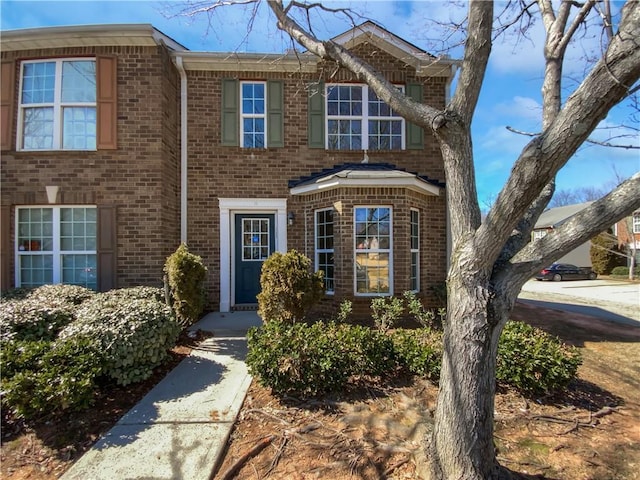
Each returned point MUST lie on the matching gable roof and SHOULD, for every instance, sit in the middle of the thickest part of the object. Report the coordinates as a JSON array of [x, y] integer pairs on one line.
[[370, 32], [364, 175], [554, 217]]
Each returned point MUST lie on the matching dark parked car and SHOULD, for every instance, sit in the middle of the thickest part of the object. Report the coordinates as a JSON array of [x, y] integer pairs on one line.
[[565, 271]]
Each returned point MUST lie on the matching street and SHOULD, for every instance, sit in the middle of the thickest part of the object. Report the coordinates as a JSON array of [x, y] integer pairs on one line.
[[617, 301]]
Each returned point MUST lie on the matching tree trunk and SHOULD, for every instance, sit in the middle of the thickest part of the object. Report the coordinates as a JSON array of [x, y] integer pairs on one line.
[[461, 445]]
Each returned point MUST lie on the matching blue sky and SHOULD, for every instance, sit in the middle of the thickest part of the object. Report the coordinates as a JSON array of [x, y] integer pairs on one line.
[[510, 95]]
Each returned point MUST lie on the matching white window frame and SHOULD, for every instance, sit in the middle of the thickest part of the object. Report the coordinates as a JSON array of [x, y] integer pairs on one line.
[[56, 251], [243, 115], [415, 251], [319, 251], [57, 105], [378, 250], [538, 234], [363, 118], [636, 222]]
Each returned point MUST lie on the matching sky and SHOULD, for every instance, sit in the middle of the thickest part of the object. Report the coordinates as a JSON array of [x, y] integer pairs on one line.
[[510, 95]]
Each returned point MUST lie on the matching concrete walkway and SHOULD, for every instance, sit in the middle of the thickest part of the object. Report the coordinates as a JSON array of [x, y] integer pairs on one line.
[[180, 428]]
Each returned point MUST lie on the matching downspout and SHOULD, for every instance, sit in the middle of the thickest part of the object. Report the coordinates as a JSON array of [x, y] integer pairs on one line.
[[183, 149]]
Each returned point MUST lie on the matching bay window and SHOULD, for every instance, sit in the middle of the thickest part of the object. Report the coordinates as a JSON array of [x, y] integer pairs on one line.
[[324, 247], [373, 243]]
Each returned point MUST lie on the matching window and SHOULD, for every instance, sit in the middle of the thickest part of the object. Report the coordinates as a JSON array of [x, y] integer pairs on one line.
[[324, 247], [56, 245], [537, 234], [636, 223], [253, 121], [358, 120], [373, 251], [58, 105], [255, 239], [414, 279]]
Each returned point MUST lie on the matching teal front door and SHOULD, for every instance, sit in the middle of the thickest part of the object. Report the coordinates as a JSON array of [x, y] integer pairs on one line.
[[254, 242]]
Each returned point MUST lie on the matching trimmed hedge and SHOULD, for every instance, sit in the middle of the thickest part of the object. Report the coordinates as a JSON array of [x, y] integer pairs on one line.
[[33, 319], [185, 274], [133, 334], [624, 271], [534, 362], [310, 360]]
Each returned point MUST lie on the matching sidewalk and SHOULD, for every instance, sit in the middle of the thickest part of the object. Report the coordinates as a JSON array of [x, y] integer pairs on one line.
[[180, 428]]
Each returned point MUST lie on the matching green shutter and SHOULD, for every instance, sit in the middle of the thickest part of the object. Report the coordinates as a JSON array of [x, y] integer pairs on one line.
[[415, 134], [316, 115], [275, 113], [230, 100]]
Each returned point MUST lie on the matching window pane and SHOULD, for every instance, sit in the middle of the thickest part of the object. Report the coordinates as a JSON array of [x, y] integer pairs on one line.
[[79, 270], [79, 81], [37, 128], [372, 273], [38, 82], [79, 128], [255, 239], [35, 230], [35, 270]]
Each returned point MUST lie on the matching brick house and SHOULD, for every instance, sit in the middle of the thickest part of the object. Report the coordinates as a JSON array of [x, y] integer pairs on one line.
[[118, 143], [627, 232]]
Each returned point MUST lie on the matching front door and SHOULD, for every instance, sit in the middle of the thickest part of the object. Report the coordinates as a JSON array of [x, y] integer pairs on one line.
[[254, 242]]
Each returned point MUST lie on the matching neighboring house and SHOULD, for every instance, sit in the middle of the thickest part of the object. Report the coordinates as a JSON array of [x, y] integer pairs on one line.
[[118, 143], [555, 217], [627, 231]]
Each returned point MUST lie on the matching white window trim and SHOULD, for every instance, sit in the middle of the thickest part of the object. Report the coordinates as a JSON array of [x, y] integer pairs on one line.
[[377, 250], [415, 250], [57, 105], [318, 251], [56, 252], [253, 115], [364, 118], [635, 220]]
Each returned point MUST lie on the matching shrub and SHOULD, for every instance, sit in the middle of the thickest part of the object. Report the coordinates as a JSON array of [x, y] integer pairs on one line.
[[426, 318], [419, 351], [61, 294], [289, 289], [17, 356], [309, 360], [52, 380], [624, 271], [345, 310], [133, 334], [185, 274], [33, 319], [386, 311], [602, 253], [533, 361]]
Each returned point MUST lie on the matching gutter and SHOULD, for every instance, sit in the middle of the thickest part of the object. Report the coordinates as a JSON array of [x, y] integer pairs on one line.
[[183, 149]]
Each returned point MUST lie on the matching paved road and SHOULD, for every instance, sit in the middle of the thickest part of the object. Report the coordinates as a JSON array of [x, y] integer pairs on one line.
[[611, 300]]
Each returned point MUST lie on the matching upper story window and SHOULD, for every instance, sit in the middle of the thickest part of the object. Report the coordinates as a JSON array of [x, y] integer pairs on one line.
[[324, 247], [253, 122], [636, 223], [358, 120], [58, 105], [373, 237]]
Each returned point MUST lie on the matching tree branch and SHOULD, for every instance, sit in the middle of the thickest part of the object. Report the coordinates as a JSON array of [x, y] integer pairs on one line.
[[418, 113], [545, 155], [583, 226], [474, 63], [588, 140]]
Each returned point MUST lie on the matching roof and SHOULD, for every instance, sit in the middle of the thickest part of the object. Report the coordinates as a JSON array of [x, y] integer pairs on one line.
[[363, 175], [554, 217], [147, 35], [139, 34]]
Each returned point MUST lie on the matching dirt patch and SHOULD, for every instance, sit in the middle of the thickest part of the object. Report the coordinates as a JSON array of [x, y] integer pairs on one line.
[[591, 432]]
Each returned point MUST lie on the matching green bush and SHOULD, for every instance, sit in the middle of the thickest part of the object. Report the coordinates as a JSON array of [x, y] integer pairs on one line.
[[419, 351], [533, 361], [289, 288], [134, 334], [603, 253], [61, 294], [17, 356], [33, 319], [624, 271], [52, 378], [386, 311], [426, 318], [309, 360], [185, 274]]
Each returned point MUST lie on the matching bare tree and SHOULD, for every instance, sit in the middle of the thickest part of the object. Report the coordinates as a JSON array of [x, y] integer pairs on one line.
[[491, 259]]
